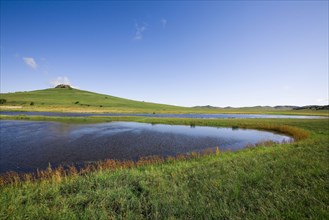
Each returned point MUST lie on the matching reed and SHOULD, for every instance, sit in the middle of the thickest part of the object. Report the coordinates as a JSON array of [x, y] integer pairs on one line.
[[59, 173]]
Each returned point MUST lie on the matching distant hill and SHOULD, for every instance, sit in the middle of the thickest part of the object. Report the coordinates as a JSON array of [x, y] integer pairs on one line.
[[285, 107], [206, 106], [229, 107], [312, 107], [278, 107]]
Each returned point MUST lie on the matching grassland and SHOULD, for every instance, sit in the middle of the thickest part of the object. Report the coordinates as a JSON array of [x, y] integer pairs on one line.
[[74, 100], [288, 181]]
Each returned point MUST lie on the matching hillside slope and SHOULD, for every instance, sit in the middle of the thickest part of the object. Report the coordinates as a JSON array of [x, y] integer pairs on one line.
[[67, 99], [74, 100]]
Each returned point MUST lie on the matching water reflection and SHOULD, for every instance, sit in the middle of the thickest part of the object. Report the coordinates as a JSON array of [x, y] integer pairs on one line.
[[28, 145], [210, 116], [61, 129]]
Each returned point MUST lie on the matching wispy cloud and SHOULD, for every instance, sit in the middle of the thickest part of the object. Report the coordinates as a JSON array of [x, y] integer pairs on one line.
[[139, 30], [163, 22], [30, 62], [61, 80]]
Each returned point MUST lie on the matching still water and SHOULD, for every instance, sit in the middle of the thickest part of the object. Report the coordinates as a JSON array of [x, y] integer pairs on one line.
[[210, 116], [28, 145]]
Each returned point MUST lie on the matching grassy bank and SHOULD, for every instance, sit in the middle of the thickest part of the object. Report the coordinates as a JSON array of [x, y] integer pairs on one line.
[[281, 181]]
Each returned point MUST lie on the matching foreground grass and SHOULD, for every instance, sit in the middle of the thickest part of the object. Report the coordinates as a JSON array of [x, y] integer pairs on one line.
[[281, 181]]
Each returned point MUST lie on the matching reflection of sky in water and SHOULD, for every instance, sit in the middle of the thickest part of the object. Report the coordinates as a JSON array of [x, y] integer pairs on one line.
[[163, 115], [112, 128], [27, 145]]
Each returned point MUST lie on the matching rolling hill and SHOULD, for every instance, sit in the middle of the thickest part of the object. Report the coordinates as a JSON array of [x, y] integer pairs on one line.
[[69, 99], [66, 99]]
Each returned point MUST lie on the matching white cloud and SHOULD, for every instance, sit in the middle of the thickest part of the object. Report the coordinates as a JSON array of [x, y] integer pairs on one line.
[[30, 62], [139, 31], [62, 80], [163, 22]]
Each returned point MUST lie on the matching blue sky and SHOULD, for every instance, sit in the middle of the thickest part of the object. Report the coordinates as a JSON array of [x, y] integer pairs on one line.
[[240, 53]]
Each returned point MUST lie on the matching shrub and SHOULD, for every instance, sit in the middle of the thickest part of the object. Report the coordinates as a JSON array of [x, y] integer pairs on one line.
[[3, 101], [77, 102], [234, 127], [32, 103]]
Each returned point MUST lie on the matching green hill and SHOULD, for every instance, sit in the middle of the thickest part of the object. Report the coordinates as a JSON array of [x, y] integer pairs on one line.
[[68, 99]]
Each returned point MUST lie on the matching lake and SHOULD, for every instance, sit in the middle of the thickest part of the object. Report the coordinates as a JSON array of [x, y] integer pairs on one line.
[[209, 116], [29, 145]]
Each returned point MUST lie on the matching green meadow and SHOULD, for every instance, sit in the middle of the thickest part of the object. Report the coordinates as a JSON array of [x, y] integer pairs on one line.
[[269, 181], [74, 100]]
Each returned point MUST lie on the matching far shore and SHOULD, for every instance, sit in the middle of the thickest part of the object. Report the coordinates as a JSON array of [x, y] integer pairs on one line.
[[109, 110], [11, 107]]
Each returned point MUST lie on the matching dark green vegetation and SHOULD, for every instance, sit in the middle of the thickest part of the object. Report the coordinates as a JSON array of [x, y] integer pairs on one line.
[[313, 107], [278, 107], [67, 99], [267, 182], [3, 101]]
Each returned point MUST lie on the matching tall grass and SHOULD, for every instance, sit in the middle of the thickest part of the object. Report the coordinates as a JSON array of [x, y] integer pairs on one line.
[[59, 173]]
